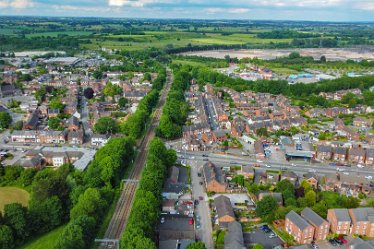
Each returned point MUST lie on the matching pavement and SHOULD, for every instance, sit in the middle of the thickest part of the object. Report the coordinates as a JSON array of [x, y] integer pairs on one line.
[[202, 209], [260, 237]]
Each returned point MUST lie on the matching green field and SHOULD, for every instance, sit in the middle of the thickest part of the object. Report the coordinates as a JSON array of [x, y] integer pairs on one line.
[[11, 195], [46, 241], [55, 34]]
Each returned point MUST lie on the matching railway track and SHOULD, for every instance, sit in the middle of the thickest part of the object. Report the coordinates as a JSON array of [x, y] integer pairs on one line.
[[121, 214]]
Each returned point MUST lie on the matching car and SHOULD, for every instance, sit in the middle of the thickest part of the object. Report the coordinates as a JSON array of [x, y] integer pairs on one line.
[[205, 159], [199, 174], [201, 183], [259, 161], [190, 221], [345, 173], [201, 198], [340, 169], [196, 202], [162, 220], [205, 155], [338, 241], [267, 166], [198, 225], [342, 240], [284, 168], [272, 236], [315, 246], [312, 171], [233, 162], [192, 157], [360, 166], [369, 177], [333, 242], [292, 164]]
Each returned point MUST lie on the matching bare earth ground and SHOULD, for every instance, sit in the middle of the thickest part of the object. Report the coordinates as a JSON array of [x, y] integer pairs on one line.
[[11, 195], [267, 54]]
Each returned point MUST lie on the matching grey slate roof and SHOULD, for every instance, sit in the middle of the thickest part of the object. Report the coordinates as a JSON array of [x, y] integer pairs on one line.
[[223, 206], [297, 220], [211, 172], [324, 148], [362, 214], [312, 217], [234, 237], [342, 214]]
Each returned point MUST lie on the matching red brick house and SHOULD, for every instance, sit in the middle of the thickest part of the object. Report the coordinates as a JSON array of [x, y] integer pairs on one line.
[[340, 220], [259, 150], [224, 210], [215, 180], [340, 154], [362, 221], [321, 226], [324, 152], [356, 155], [369, 160], [299, 228]]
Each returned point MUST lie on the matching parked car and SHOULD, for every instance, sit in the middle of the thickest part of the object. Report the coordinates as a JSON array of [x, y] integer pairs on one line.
[[196, 202], [162, 220], [201, 198], [199, 174], [190, 221], [342, 240], [272, 236], [360, 166], [205, 159], [205, 155], [333, 242], [201, 183]]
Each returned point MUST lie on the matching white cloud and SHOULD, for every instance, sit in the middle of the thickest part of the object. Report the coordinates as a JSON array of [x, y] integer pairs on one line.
[[227, 10], [16, 4], [135, 3]]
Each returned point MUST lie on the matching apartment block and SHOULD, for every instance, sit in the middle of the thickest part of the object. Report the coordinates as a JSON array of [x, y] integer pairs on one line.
[[299, 228], [321, 226], [340, 220]]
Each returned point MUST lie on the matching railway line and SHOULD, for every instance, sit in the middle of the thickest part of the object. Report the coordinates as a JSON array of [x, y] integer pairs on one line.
[[123, 208]]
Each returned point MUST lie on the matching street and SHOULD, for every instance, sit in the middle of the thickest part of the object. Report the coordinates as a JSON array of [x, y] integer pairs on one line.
[[202, 209], [296, 166]]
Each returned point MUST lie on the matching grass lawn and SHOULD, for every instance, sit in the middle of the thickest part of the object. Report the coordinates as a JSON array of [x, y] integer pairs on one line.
[[45, 241], [55, 34], [11, 195]]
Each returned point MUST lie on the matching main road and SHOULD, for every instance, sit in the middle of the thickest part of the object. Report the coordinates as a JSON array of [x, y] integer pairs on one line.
[[296, 166], [121, 214]]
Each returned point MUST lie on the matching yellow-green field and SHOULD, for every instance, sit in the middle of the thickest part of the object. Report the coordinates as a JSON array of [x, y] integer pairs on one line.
[[11, 195]]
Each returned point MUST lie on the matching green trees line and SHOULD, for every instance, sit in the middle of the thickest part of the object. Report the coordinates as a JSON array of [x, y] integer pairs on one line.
[[140, 230], [176, 108]]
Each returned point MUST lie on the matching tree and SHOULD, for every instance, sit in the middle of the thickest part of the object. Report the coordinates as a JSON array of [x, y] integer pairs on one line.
[[106, 125], [5, 120], [262, 132], [323, 59], [6, 237], [12, 103], [310, 198], [285, 185], [98, 74], [88, 93], [54, 123], [112, 89], [122, 102], [147, 77], [55, 103], [266, 206], [196, 245], [90, 203], [15, 216], [71, 237], [18, 125]]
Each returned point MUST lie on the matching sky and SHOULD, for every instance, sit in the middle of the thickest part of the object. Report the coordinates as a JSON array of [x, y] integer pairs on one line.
[[313, 10]]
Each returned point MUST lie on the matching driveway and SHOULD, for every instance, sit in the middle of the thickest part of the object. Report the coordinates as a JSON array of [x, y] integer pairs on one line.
[[260, 237], [202, 209]]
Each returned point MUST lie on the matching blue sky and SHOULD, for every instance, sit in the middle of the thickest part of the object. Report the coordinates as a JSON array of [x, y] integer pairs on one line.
[[315, 10]]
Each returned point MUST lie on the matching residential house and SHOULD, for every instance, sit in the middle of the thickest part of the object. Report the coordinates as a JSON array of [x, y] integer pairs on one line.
[[215, 180], [259, 150], [53, 137], [321, 226], [72, 124], [340, 220], [362, 221], [324, 152], [340, 154], [359, 243], [356, 155], [299, 228], [234, 236], [32, 121], [370, 139], [289, 175], [225, 212], [362, 122], [175, 184], [369, 159], [219, 136], [100, 140], [24, 137], [76, 137], [312, 179]]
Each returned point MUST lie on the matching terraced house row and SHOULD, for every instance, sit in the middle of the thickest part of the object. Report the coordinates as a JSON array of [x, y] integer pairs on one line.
[[309, 226]]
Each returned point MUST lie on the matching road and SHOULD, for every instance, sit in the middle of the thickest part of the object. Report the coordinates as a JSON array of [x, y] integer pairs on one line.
[[299, 167], [202, 209], [85, 118], [119, 220]]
